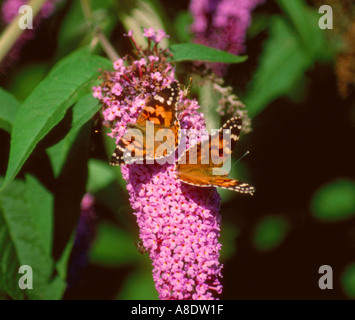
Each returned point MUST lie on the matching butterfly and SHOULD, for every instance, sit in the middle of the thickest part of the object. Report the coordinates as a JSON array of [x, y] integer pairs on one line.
[[205, 172], [160, 111]]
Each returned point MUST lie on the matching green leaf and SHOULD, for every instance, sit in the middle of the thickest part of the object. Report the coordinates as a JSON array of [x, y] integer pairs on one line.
[[270, 232], [101, 174], [348, 280], [73, 27], [47, 105], [9, 263], [63, 261], [305, 22], [40, 204], [8, 108], [334, 201], [103, 183], [229, 234], [26, 79], [199, 52], [22, 245], [69, 189], [282, 64], [113, 247], [83, 111], [182, 25], [139, 286], [76, 31]]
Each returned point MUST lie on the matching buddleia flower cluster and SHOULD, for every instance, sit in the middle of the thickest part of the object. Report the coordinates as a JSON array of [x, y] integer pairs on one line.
[[179, 224]]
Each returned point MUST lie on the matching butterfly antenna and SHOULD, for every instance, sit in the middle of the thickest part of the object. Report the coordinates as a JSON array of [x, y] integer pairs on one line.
[[245, 154]]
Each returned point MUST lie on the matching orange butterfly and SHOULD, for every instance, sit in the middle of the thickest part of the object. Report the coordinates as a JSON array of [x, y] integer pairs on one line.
[[160, 111], [205, 172]]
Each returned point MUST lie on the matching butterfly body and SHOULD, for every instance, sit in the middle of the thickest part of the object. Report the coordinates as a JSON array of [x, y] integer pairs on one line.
[[158, 118], [197, 165]]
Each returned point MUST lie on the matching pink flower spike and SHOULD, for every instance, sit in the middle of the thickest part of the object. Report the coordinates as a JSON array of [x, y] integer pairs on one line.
[[179, 224]]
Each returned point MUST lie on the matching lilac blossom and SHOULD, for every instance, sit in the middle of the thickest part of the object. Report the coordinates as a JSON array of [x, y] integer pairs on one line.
[[222, 24], [179, 224]]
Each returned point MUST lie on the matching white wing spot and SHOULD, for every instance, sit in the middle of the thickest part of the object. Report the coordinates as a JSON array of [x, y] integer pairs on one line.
[[159, 98]]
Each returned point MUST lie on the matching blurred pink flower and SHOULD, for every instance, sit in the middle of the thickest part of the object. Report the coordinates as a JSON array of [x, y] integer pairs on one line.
[[85, 234], [9, 10], [222, 24]]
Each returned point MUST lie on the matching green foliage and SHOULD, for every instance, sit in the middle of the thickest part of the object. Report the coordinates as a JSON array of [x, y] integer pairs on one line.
[[75, 30], [348, 280], [270, 232], [334, 201], [83, 111], [139, 286], [100, 175], [8, 108], [229, 234], [199, 52], [182, 26], [305, 23], [105, 182], [28, 208], [114, 247], [47, 104], [27, 78], [40, 204], [294, 44], [23, 243], [282, 64]]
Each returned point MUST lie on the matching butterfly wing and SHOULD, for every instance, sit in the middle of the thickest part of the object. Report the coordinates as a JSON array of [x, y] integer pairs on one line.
[[160, 111], [204, 172], [129, 149]]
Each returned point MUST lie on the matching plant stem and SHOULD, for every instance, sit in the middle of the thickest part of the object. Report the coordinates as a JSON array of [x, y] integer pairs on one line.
[[105, 43], [12, 32]]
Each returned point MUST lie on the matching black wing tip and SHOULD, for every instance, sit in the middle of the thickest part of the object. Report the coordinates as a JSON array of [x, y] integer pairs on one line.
[[243, 188], [235, 122], [117, 158], [115, 162], [173, 86]]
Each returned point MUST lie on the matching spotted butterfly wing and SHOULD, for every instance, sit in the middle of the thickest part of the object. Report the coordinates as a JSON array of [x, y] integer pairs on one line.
[[160, 111], [206, 173]]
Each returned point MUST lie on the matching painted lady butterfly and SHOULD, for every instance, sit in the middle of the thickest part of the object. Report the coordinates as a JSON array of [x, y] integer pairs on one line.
[[160, 111], [205, 173]]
